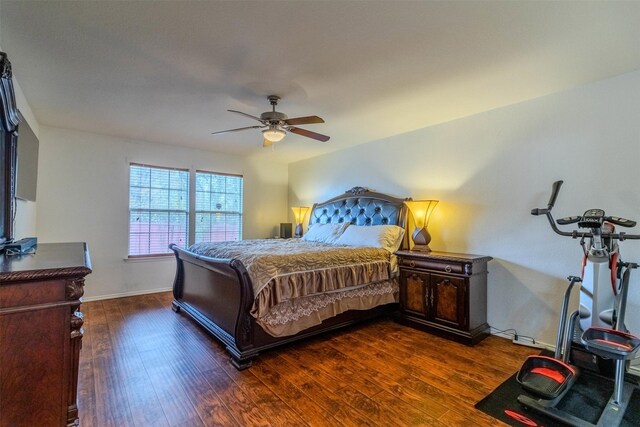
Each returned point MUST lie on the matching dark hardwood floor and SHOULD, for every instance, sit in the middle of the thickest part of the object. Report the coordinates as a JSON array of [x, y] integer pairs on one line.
[[143, 365]]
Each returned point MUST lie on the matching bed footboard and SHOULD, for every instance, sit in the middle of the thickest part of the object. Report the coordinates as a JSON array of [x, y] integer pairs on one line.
[[218, 294]]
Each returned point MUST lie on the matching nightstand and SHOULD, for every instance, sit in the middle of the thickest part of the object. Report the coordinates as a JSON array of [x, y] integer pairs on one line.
[[444, 293]]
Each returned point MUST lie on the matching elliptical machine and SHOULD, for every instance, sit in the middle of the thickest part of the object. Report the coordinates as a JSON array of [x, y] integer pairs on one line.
[[597, 327]]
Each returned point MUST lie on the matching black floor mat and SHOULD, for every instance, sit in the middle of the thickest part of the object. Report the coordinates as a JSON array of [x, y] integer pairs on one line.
[[586, 400]]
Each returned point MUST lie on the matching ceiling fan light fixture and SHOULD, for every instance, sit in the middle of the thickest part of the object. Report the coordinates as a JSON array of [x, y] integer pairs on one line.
[[273, 134]]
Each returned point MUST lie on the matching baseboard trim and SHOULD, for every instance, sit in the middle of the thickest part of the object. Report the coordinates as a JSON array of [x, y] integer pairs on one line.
[[125, 294]]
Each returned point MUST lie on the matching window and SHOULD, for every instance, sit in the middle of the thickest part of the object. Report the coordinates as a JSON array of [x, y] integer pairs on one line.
[[160, 211], [218, 207]]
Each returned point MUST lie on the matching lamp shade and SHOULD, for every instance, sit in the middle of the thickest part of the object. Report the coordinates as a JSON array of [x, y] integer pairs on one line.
[[299, 212], [273, 134], [421, 211]]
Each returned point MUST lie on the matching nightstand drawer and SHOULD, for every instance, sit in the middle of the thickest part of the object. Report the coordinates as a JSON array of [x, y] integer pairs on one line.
[[433, 265]]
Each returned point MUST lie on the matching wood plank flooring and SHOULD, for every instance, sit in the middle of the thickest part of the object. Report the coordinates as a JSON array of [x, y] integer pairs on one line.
[[144, 365]]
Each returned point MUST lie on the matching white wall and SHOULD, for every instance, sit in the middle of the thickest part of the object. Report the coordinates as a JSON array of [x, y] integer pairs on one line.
[[490, 169], [83, 195]]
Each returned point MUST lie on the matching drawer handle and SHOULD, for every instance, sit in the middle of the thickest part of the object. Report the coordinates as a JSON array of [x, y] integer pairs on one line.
[[412, 264], [447, 268]]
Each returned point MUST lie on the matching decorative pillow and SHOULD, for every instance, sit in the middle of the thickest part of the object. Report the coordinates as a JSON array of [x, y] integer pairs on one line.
[[327, 233], [388, 237]]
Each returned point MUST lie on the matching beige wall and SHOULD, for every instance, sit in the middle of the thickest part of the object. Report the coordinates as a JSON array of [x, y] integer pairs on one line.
[[490, 169], [83, 196]]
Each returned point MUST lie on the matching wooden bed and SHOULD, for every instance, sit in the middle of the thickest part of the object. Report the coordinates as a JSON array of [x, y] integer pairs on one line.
[[218, 293]]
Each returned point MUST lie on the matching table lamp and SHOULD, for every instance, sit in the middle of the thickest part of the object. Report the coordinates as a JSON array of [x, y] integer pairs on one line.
[[299, 212]]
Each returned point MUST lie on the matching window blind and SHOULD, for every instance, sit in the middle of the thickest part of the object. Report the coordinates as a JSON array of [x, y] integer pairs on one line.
[[158, 209], [218, 207]]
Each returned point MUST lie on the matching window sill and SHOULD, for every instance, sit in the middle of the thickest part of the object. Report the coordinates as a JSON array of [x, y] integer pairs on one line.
[[163, 257]]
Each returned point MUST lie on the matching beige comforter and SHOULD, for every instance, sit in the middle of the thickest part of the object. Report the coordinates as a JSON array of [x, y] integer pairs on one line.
[[283, 270]]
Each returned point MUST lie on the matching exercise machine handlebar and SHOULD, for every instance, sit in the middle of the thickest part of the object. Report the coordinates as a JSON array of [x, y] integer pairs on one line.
[[574, 219], [554, 194]]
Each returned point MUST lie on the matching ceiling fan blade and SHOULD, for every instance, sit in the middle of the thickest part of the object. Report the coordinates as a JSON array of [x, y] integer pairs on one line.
[[248, 115], [236, 130], [309, 134], [266, 143], [304, 120]]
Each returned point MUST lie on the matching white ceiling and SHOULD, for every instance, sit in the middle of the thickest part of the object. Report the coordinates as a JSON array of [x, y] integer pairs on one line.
[[167, 71]]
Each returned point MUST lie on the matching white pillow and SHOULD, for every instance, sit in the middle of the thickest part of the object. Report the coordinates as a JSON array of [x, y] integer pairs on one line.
[[327, 233], [387, 237]]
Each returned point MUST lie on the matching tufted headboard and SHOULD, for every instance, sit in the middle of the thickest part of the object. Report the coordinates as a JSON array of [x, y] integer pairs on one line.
[[359, 206]]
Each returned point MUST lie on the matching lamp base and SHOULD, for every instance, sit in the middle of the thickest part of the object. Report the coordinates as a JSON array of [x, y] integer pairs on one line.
[[421, 239], [298, 230]]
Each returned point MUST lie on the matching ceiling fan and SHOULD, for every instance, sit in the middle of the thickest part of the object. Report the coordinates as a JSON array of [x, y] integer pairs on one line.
[[275, 125]]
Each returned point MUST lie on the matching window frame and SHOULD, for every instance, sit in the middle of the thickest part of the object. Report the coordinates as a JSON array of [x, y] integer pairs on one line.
[[191, 206]]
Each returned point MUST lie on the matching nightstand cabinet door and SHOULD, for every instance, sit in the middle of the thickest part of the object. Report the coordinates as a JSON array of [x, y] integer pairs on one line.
[[414, 291], [449, 306]]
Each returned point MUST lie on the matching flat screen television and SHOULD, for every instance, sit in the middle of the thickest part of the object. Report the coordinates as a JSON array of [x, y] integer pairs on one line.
[[9, 120], [27, 163], [7, 184]]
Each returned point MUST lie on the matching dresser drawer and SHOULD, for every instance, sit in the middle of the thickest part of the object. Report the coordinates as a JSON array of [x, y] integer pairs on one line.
[[27, 294]]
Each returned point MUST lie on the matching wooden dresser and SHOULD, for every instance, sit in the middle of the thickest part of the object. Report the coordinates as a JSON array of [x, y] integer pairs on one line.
[[444, 293], [41, 334]]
